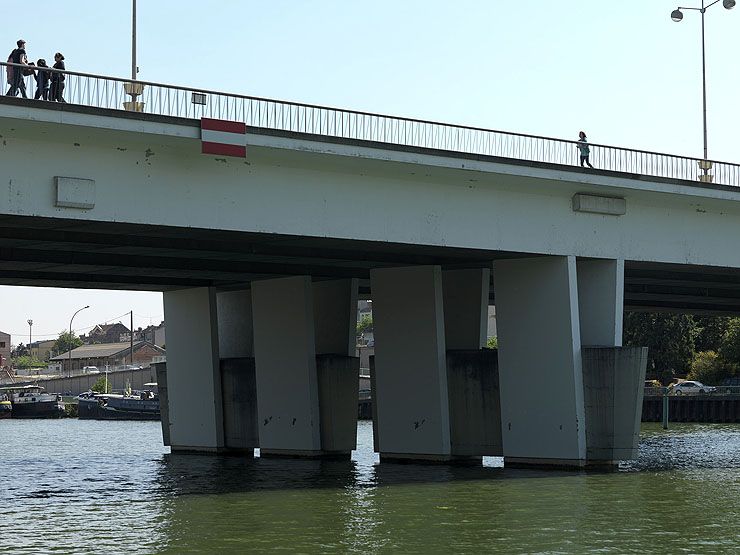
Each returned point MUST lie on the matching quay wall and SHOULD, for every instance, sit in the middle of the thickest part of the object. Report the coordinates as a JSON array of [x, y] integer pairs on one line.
[[75, 385], [694, 408]]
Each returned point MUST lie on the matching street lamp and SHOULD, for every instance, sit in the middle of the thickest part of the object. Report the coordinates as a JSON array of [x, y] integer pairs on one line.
[[69, 354], [677, 15], [30, 323]]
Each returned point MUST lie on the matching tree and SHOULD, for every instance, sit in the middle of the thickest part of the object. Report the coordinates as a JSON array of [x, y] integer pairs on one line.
[[66, 342], [100, 386], [729, 348], [711, 331], [669, 338], [19, 351], [708, 368], [492, 342], [365, 324], [27, 361]]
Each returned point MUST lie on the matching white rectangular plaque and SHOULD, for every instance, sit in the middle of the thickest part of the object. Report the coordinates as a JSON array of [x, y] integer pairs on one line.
[[75, 192]]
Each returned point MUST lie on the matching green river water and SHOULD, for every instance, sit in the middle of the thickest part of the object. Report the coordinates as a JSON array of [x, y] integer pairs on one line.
[[71, 486]]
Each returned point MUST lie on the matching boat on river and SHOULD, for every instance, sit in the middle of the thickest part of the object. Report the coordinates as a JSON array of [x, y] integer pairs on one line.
[[6, 408], [139, 405], [32, 401]]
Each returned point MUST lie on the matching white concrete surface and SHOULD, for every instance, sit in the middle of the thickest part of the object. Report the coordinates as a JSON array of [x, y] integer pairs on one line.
[[540, 374], [193, 376], [465, 294], [410, 368], [601, 301], [285, 360]]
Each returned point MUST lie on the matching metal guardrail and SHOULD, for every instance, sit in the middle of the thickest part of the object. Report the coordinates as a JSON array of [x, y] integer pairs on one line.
[[114, 93], [719, 390]]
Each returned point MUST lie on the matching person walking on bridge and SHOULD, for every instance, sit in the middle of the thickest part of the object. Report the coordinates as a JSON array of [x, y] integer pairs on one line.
[[584, 148], [15, 74]]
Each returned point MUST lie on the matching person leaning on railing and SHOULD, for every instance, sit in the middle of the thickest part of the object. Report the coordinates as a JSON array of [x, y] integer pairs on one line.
[[43, 76], [57, 79], [15, 74]]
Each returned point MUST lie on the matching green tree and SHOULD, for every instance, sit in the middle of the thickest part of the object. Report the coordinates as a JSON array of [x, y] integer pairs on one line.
[[709, 368], [492, 342], [27, 361], [100, 386], [729, 348], [669, 338], [66, 342], [711, 332], [365, 324]]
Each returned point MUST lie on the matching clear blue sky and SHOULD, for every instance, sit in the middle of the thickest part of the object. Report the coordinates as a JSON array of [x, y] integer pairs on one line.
[[622, 71]]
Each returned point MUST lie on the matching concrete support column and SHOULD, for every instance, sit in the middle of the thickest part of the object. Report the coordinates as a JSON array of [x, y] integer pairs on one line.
[[193, 377], [601, 301], [539, 356], [307, 374], [238, 381], [466, 308], [613, 376], [285, 359], [409, 369]]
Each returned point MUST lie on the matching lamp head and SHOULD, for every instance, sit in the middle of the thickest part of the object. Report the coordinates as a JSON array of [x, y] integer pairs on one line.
[[677, 15], [728, 4]]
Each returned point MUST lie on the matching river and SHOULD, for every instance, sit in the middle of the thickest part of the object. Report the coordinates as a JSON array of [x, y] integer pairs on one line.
[[71, 486]]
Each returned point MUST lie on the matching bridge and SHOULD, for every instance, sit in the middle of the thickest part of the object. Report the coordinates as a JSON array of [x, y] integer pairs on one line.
[[261, 260]]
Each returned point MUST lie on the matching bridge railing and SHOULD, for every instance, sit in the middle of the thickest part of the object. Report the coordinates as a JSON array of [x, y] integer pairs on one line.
[[169, 100]]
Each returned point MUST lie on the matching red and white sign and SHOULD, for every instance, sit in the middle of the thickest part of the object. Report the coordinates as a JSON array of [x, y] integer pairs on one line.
[[223, 138]]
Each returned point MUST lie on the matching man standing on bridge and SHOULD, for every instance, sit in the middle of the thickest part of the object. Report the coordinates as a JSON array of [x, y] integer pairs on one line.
[[15, 74]]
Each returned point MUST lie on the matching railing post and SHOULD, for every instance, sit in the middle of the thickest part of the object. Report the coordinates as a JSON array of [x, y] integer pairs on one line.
[[665, 408]]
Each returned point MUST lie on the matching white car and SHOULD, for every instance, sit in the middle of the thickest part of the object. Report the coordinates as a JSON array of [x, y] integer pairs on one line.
[[690, 387]]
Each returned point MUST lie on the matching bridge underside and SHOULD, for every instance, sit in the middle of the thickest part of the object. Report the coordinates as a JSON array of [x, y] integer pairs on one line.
[[71, 253]]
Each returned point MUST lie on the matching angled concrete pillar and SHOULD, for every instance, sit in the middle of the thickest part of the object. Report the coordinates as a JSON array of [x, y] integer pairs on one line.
[[613, 376], [472, 371], [238, 386], [539, 358], [235, 330], [285, 360], [193, 376], [466, 308], [337, 367], [410, 374], [601, 301], [306, 375]]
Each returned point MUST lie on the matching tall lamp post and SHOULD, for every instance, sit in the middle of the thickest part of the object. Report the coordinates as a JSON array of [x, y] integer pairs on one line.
[[30, 323], [677, 15], [69, 354]]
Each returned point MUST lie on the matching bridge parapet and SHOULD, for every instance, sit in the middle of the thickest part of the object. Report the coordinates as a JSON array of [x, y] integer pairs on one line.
[[113, 93]]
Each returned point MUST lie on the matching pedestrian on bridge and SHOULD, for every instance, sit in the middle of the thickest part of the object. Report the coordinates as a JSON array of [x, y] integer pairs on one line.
[[57, 79], [43, 76], [15, 74], [584, 148]]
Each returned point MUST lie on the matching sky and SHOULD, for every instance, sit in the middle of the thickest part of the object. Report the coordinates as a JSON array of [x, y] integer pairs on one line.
[[621, 70]]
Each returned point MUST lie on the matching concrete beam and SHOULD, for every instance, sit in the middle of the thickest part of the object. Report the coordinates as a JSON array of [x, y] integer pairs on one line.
[[235, 330]]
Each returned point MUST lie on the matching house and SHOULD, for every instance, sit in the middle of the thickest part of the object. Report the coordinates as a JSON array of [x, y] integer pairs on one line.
[[153, 334], [42, 350], [112, 355], [107, 333], [4, 349]]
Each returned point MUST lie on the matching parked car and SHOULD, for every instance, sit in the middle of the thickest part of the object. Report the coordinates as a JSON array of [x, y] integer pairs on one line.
[[691, 387], [90, 370]]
